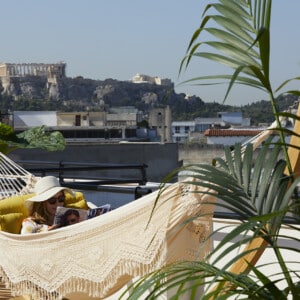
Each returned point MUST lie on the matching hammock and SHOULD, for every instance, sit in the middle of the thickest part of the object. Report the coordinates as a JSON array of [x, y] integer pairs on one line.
[[101, 255]]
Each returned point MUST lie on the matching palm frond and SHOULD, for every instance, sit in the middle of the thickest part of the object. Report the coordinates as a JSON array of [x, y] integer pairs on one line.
[[251, 184], [239, 40]]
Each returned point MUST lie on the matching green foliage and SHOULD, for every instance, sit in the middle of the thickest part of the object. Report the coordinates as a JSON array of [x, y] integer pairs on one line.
[[7, 138], [261, 111], [7, 133], [240, 40], [36, 137], [252, 185]]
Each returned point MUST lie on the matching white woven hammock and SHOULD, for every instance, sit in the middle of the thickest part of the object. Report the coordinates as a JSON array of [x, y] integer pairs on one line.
[[99, 256]]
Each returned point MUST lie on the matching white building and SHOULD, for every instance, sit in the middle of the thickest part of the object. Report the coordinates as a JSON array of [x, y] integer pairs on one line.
[[141, 78], [229, 136], [181, 130], [27, 119], [188, 131]]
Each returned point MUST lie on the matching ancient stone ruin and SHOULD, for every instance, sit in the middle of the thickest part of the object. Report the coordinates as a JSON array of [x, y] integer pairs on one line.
[[13, 76]]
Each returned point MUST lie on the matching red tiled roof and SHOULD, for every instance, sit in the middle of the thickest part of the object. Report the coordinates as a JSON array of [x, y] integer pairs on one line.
[[231, 132]]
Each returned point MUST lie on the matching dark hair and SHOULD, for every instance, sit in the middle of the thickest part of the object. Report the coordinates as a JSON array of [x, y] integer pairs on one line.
[[69, 212]]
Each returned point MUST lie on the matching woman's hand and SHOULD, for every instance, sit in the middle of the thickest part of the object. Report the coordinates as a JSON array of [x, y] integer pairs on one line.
[[53, 227]]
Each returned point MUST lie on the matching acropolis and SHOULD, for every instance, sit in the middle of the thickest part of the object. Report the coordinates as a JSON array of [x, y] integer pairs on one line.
[[33, 69], [12, 74]]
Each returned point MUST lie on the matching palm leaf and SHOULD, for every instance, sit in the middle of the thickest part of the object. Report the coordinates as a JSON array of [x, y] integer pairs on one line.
[[240, 40], [235, 37], [268, 284], [254, 187], [231, 39]]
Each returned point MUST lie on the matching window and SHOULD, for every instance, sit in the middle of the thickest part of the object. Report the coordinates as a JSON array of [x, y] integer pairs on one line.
[[77, 120], [159, 118]]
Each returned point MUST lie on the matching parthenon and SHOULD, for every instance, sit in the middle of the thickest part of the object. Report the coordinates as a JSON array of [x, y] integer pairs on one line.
[[9, 70]]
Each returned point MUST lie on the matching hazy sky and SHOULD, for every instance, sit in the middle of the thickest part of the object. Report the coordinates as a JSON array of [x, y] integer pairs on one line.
[[102, 39]]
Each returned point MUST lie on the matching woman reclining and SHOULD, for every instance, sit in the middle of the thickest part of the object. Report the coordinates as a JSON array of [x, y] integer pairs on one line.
[[42, 207]]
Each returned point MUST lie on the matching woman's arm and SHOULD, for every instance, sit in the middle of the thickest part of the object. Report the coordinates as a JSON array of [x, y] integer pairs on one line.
[[29, 226]]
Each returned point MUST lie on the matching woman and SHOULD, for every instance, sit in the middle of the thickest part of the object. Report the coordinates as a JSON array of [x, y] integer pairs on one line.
[[42, 207]]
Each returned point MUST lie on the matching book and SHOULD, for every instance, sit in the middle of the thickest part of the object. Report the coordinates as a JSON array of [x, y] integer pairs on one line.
[[97, 211], [65, 216]]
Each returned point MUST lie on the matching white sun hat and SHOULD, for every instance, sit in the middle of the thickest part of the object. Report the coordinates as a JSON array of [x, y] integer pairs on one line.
[[46, 188]]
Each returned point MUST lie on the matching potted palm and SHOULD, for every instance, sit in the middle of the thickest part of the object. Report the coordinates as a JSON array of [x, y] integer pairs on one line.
[[257, 188]]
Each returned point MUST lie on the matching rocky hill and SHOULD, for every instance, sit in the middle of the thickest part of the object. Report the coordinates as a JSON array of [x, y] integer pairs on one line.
[[77, 94], [67, 94]]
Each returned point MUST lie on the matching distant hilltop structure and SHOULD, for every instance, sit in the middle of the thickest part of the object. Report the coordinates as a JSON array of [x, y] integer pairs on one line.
[[33, 69], [40, 83], [141, 78], [9, 72]]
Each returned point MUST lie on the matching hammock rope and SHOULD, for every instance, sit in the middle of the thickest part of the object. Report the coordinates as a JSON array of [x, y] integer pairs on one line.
[[14, 180]]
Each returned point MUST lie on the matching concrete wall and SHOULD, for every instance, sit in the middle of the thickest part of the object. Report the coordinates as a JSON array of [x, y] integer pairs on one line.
[[199, 153], [160, 158]]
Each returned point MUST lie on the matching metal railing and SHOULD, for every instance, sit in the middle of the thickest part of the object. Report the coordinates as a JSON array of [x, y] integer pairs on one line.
[[89, 174]]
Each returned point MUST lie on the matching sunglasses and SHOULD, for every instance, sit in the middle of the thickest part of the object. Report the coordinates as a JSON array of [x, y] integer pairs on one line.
[[60, 199]]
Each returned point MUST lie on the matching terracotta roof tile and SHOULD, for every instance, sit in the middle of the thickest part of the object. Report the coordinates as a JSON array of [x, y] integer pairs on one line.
[[231, 132]]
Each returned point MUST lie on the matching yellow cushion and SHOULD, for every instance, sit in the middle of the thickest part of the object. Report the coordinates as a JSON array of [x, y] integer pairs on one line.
[[75, 201], [13, 211], [11, 222], [14, 204]]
